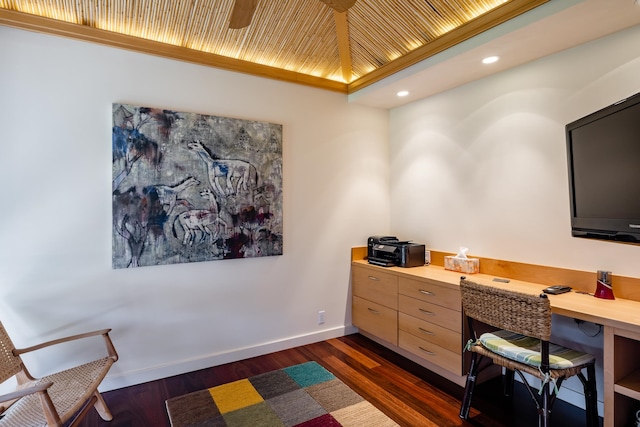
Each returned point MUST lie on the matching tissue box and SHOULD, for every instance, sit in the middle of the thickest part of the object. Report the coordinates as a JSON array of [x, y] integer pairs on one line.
[[462, 265]]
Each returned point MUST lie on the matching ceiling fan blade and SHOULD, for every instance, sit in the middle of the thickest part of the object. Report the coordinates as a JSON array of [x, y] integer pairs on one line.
[[339, 5], [242, 13]]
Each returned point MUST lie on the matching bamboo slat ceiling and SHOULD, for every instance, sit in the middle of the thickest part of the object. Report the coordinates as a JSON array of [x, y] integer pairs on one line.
[[295, 40]]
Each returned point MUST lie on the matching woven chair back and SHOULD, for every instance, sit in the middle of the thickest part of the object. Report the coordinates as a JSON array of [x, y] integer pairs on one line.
[[10, 364], [524, 314]]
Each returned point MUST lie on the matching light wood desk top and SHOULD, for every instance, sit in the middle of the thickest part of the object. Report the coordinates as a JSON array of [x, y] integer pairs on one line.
[[618, 313]]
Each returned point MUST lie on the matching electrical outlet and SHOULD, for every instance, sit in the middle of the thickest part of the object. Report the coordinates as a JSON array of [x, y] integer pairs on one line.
[[321, 317]]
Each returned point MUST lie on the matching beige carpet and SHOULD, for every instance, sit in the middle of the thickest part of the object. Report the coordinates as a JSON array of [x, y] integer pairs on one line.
[[305, 395]]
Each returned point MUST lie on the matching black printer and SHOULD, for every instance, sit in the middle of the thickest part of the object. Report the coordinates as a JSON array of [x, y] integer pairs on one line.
[[388, 251]]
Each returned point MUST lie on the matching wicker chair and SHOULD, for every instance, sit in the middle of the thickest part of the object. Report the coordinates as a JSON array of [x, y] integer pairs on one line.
[[64, 397], [522, 345]]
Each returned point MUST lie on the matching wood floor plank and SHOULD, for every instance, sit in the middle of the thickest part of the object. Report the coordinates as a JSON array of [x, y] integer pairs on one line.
[[355, 354], [419, 390], [395, 408]]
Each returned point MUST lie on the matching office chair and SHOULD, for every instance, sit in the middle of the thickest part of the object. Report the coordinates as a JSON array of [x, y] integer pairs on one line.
[[521, 344]]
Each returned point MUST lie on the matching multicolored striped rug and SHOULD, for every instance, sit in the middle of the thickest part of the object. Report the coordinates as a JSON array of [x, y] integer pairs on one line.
[[305, 395]]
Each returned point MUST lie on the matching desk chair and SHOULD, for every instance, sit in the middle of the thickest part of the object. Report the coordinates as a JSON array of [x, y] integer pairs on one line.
[[63, 397], [522, 345]]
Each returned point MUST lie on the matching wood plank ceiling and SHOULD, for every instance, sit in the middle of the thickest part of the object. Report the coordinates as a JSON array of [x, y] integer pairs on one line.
[[302, 41]]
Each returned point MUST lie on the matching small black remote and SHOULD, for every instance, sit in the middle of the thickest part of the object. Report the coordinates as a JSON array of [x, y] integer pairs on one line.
[[557, 289]]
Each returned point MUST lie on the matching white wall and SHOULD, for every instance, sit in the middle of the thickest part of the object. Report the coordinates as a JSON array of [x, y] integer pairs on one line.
[[55, 220], [484, 166]]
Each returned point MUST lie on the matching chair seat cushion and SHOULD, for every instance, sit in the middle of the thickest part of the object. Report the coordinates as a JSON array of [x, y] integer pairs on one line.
[[526, 350]]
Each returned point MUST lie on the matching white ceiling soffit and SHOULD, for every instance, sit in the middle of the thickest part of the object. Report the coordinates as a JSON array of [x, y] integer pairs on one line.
[[547, 29]]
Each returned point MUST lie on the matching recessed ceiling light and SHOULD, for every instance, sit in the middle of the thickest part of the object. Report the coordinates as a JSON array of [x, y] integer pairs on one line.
[[403, 93], [490, 59]]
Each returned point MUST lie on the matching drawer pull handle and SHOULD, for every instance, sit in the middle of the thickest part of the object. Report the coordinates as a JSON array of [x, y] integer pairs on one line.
[[425, 292], [373, 311], [427, 312], [424, 331], [374, 278], [430, 353]]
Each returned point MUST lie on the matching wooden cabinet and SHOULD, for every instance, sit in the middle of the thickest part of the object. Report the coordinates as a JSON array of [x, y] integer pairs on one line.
[[377, 286], [376, 319], [430, 322], [433, 291], [375, 303], [430, 332], [622, 377], [419, 317], [429, 329], [449, 360]]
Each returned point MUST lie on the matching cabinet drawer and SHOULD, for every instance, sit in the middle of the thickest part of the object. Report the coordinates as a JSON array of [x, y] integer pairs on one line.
[[431, 292], [376, 319], [432, 313], [433, 353], [430, 332], [376, 286]]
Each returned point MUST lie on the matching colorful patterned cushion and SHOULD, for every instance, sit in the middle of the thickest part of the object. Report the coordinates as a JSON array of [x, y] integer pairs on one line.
[[526, 350]]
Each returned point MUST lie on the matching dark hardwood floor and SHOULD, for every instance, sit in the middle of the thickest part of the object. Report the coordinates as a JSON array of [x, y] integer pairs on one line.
[[408, 393]]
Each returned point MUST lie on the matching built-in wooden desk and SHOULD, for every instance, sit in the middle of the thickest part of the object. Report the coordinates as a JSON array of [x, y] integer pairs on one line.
[[620, 318], [620, 313]]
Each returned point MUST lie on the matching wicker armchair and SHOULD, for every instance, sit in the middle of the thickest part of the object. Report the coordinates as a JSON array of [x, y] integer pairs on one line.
[[64, 397], [522, 345]]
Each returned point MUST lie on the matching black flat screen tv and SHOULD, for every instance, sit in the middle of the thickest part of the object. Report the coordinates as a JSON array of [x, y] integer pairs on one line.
[[603, 153]]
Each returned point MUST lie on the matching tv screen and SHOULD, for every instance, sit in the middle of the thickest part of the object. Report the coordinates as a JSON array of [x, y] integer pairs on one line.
[[603, 153]]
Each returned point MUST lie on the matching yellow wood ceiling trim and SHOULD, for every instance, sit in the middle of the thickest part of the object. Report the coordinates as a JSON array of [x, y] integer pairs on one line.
[[344, 46], [339, 5], [347, 55], [466, 31], [65, 29]]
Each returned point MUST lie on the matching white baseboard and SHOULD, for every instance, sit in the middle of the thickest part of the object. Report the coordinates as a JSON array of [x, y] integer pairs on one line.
[[126, 379]]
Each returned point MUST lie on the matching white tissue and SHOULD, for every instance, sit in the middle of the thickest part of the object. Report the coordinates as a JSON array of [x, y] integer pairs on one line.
[[462, 254]]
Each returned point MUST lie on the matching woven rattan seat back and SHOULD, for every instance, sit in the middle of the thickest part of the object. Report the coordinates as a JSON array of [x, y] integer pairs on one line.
[[9, 363], [524, 314]]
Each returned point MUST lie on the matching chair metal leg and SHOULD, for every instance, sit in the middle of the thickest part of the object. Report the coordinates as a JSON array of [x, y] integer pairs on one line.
[[590, 396], [507, 382], [542, 399], [545, 408], [469, 387]]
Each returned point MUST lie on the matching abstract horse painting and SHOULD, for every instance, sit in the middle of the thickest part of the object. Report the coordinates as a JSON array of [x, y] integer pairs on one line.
[[190, 187]]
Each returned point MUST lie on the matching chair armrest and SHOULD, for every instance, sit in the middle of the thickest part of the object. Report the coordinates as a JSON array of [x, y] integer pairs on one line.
[[24, 392], [104, 332]]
